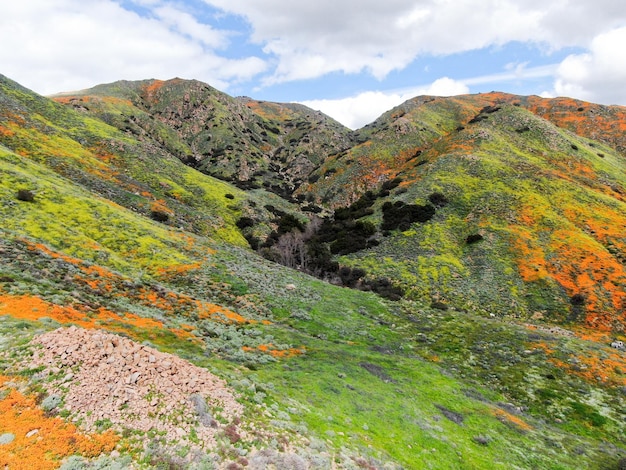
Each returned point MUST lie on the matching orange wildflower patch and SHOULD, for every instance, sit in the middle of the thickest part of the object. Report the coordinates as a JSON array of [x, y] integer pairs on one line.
[[604, 223], [111, 284], [274, 351], [215, 312], [541, 345], [173, 271], [577, 262], [592, 335], [608, 370], [160, 206], [564, 112], [531, 261], [34, 308], [583, 267], [185, 334], [44, 249], [41, 442], [510, 419], [608, 367], [154, 87], [6, 132]]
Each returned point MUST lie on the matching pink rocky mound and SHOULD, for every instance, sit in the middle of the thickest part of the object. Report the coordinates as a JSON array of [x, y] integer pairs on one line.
[[135, 387]]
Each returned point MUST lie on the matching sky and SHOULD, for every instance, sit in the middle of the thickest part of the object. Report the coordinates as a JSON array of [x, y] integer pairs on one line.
[[351, 59]]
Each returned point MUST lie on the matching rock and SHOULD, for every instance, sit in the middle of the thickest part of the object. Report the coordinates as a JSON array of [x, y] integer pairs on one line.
[[7, 438], [113, 375], [32, 432]]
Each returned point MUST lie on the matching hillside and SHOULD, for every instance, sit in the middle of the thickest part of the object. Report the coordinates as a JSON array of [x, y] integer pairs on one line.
[[126, 280], [533, 217], [250, 143]]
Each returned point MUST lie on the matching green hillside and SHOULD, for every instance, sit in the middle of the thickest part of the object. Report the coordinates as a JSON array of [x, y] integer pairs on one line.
[[532, 222], [250, 143], [107, 225]]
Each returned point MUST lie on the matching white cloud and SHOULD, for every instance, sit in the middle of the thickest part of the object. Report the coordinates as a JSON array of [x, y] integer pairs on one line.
[[73, 44], [65, 45], [513, 72], [356, 111], [598, 75], [187, 26], [311, 39]]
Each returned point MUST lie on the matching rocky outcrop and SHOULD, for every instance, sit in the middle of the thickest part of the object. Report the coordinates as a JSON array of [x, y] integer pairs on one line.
[[112, 379]]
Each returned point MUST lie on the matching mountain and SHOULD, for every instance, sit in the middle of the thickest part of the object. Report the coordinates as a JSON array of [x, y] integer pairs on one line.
[[138, 329], [534, 203], [251, 143]]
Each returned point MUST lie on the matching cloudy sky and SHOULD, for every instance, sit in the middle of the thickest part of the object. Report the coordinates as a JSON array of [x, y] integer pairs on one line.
[[352, 59]]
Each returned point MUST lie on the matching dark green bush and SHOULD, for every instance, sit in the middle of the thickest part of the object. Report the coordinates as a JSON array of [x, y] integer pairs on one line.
[[383, 287], [474, 238], [438, 199], [391, 184], [25, 195], [245, 222], [400, 216], [159, 216], [288, 223]]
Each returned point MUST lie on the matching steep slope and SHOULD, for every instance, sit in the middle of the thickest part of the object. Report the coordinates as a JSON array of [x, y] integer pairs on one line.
[[253, 144], [530, 216], [139, 175], [323, 376]]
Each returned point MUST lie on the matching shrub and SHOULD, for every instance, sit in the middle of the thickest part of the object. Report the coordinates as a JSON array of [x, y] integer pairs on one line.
[[25, 195], [482, 440], [383, 287], [244, 222], [287, 223], [352, 237], [400, 216], [232, 434], [438, 199], [474, 238], [51, 402], [159, 215], [391, 184], [350, 277]]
